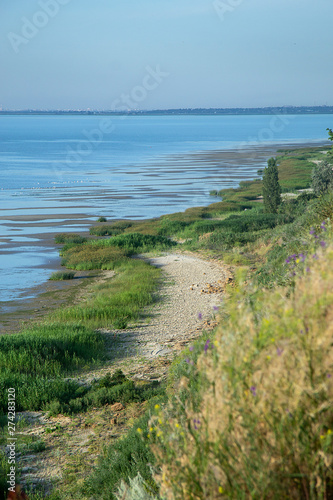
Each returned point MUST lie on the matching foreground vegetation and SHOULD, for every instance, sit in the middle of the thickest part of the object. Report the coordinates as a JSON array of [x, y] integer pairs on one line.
[[247, 411]]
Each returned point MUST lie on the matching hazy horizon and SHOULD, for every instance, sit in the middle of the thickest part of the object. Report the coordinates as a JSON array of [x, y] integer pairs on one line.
[[71, 54]]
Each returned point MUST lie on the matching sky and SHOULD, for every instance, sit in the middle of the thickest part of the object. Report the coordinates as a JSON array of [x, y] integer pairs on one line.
[[160, 54]]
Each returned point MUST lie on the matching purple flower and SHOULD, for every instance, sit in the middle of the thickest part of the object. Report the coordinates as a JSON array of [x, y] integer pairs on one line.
[[323, 226], [196, 423], [312, 231], [329, 375], [315, 256], [302, 257], [191, 348], [215, 308], [199, 316], [308, 269], [187, 360], [253, 390], [323, 244], [206, 346], [288, 260], [279, 351]]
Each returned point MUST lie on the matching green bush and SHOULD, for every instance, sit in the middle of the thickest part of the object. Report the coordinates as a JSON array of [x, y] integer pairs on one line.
[[62, 276], [69, 238], [138, 243], [322, 178]]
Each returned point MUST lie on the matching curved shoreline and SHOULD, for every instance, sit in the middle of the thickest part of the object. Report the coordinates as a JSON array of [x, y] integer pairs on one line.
[[43, 242]]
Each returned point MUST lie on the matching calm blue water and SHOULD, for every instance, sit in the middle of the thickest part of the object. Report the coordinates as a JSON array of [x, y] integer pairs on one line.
[[55, 169]]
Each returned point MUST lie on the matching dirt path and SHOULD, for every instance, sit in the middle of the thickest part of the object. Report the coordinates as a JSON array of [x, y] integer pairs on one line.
[[191, 293], [191, 289]]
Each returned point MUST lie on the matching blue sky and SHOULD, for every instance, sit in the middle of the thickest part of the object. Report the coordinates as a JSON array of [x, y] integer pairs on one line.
[[149, 54]]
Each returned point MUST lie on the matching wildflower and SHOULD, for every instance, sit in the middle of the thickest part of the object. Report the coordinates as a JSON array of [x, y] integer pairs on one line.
[[187, 360], [323, 226], [157, 407], [215, 308], [329, 432], [196, 423], [268, 358], [253, 390], [312, 231], [288, 260], [308, 269], [191, 348], [177, 426], [315, 256], [279, 351], [323, 244], [139, 430], [221, 490], [199, 316], [206, 346], [216, 343], [329, 375], [302, 257]]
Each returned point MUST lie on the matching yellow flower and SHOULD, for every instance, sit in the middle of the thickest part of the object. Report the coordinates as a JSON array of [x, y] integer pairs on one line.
[[268, 357], [139, 430], [322, 437], [216, 343], [148, 436], [273, 340], [177, 425], [151, 429], [160, 421], [298, 261], [329, 432], [157, 407], [221, 489]]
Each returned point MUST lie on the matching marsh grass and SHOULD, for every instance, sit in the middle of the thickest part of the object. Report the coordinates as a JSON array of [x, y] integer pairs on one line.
[[35, 361], [69, 238], [117, 301], [62, 276], [264, 422]]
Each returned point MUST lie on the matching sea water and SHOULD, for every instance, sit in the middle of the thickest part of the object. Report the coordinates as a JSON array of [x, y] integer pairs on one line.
[[57, 171]]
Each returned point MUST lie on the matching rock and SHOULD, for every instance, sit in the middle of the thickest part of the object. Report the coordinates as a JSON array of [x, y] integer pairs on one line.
[[116, 407]]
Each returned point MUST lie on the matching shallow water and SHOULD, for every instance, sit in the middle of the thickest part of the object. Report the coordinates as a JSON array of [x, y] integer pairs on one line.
[[59, 173]]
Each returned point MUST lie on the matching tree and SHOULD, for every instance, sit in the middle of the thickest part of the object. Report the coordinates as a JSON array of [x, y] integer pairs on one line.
[[271, 187], [322, 178], [330, 152]]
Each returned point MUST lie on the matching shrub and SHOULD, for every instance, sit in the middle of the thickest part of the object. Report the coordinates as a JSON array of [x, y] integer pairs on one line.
[[137, 242], [62, 276], [322, 178], [69, 238], [102, 219]]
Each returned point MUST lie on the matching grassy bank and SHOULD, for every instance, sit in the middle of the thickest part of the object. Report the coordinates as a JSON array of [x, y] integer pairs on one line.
[[247, 411]]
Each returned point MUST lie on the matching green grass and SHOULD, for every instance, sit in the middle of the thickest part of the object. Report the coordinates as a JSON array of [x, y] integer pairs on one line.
[[118, 301], [69, 238], [62, 276], [35, 361]]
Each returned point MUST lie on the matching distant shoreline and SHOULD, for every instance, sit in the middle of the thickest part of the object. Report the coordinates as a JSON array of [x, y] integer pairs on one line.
[[286, 110]]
